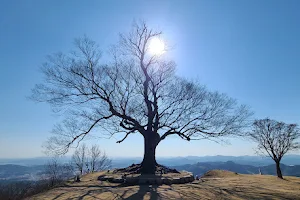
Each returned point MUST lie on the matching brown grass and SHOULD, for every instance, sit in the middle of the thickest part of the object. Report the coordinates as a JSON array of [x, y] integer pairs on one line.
[[221, 186], [219, 174]]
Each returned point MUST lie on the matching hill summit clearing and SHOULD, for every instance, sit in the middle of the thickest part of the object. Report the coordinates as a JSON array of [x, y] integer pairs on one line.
[[215, 184]]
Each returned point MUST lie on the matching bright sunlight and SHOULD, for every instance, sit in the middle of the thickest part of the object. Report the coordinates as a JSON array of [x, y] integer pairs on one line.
[[157, 46]]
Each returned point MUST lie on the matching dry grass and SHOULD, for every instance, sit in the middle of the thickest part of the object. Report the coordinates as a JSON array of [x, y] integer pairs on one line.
[[219, 174], [221, 186]]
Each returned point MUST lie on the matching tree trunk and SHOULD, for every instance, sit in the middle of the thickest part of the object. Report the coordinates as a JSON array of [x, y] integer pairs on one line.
[[278, 170], [149, 162]]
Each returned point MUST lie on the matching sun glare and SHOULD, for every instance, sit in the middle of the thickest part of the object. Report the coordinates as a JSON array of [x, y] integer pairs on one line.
[[157, 46]]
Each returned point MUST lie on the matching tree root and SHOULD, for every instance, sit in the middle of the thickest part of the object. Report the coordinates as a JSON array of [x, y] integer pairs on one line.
[[136, 169]]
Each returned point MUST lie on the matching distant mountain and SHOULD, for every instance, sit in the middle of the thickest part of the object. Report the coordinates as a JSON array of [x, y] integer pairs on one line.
[[21, 173], [30, 161], [243, 160], [201, 167], [18, 172], [168, 161]]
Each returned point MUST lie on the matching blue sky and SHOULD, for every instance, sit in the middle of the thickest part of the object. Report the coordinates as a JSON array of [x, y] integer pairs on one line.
[[247, 49]]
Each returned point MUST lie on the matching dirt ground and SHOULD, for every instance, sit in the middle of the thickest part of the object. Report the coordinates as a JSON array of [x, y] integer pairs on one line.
[[216, 186]]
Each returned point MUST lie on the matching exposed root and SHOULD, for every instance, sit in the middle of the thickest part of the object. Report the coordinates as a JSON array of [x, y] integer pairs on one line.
[[136, 169]]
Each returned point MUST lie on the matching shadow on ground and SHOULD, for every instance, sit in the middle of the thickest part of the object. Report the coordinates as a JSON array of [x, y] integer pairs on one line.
[[186, 191], [237, 187], [144, 190]]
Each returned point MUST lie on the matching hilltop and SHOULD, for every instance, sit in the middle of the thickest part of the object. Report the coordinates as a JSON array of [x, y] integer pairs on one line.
[[215, 184]]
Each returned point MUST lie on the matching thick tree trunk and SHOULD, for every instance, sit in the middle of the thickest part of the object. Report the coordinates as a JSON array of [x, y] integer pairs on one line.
[[278, 170], [149, 162]]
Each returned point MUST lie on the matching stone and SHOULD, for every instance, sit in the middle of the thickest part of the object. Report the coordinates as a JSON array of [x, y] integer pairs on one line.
[[118, 180], [110, 179], [192, 178], [176, 180], [168, 181], [132, 181], [102, 178], [182, 180]]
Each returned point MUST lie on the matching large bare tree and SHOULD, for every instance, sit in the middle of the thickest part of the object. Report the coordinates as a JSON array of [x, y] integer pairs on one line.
[[275, 139], [136, 91]]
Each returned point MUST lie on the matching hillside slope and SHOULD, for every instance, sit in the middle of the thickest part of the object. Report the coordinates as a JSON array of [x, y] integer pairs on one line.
[[215, 187]]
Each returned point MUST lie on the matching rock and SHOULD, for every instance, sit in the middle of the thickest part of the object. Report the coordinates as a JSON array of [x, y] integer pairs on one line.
[[168, 181], [118, 180], [188, 179], [176, 180], [182, 180], [192, 178], [110, 179], [149, 179], [132, 181], [102, 178]]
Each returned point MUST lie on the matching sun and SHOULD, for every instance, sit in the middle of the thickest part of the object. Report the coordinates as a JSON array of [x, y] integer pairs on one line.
[[156, 46]]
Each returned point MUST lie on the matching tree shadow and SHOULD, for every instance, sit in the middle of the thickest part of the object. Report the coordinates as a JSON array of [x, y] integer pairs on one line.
[[209, 189], [58, 196], [143, 190]]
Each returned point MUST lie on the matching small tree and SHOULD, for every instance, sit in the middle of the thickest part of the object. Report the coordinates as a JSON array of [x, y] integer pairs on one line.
[[56, 172], [53, 171], [98, 159], [79, 158], [275, 139]]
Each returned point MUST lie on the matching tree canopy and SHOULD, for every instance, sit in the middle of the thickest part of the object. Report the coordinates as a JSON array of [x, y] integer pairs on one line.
[[131, 91]]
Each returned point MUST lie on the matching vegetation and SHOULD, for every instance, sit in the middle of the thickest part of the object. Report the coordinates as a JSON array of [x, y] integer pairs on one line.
[[92, 159], [22, 189], [56, 173]]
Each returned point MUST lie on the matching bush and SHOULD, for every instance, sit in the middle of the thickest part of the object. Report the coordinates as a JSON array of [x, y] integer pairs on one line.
[[23, 189]]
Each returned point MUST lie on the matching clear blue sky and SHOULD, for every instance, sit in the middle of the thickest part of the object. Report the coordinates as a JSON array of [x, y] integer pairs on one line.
[[247, 49]]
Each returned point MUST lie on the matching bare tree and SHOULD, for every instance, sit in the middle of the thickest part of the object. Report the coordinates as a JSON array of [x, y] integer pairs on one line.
[[53, 171], [56, 172], [137, 91], [98, 159], [79, 158], [275, 139]]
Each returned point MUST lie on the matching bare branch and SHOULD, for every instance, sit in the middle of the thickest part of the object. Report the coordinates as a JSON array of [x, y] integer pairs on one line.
[[275, 139], [133, 92]]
